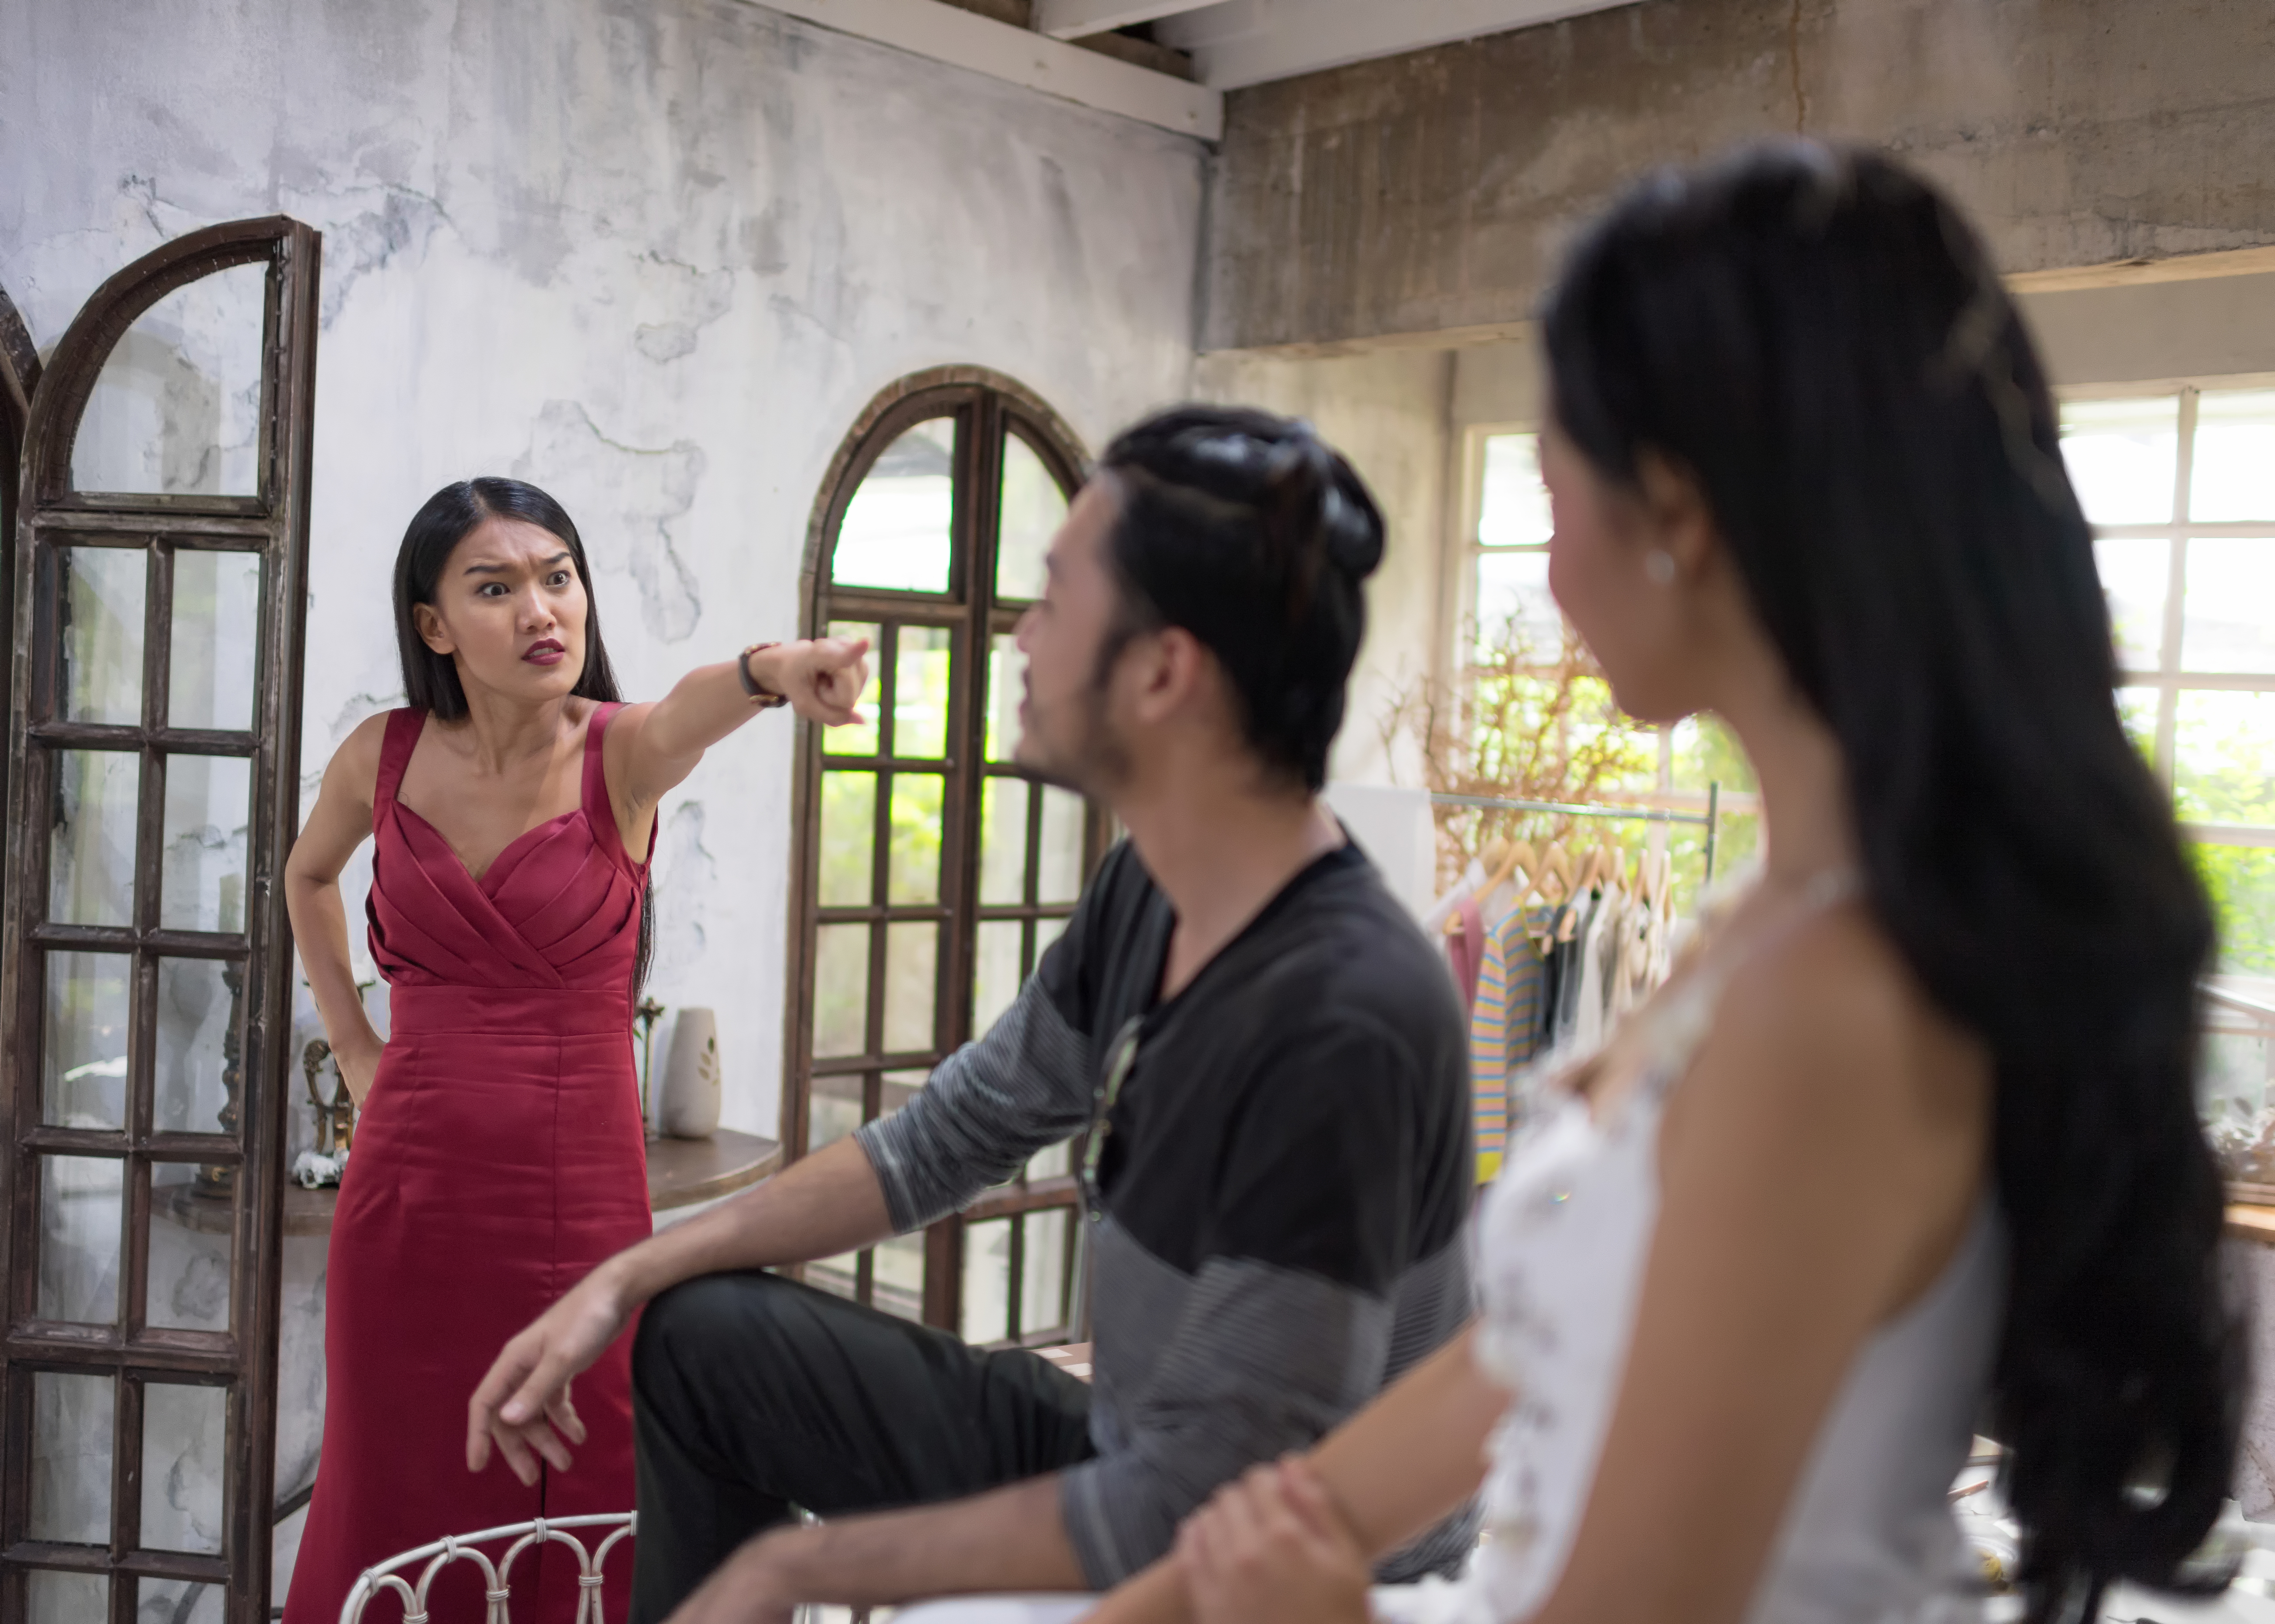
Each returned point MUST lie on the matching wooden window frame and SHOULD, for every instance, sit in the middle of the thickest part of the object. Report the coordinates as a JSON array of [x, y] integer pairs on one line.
[[988, 407], [274, 524]]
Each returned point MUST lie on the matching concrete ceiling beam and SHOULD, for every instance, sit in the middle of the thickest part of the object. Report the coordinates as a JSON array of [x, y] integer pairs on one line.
[[1251, 41], [1074, 19], [967, 40]]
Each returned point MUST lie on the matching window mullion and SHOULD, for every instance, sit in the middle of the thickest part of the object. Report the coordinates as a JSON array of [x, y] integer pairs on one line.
[[2176, 583]]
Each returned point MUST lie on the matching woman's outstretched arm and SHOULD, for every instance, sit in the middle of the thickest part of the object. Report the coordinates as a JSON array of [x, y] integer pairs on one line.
[[650, 748], [1399, 1466], [340, 822]]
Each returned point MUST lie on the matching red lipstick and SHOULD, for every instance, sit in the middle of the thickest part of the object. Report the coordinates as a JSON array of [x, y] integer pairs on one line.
[[545, 651]]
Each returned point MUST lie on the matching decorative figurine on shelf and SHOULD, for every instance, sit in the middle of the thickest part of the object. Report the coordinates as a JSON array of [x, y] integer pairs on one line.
[[689, 1106], [335, 1123], [646, 1017], [335, 1117]]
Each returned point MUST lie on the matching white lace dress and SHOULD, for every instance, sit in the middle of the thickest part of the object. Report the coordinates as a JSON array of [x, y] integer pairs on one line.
[[1564, 1232]]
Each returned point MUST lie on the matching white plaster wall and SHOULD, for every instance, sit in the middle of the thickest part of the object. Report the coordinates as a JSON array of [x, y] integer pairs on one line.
[[652, 254]]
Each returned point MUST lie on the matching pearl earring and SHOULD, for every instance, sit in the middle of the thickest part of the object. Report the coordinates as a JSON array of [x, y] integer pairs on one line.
[[1658, 565]]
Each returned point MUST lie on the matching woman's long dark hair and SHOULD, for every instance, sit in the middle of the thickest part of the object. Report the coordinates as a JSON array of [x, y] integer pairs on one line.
[[1821, 341], [430, 680]]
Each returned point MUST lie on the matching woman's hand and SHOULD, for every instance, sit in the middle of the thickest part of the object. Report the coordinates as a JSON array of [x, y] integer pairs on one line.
[[359, 1064], [822, 678], [1272, 1548]]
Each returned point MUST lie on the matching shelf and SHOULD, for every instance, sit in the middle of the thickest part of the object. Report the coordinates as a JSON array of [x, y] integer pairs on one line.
[[680, 1173]]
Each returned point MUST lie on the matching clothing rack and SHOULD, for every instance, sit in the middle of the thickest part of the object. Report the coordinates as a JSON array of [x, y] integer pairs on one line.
[[1711, 820]]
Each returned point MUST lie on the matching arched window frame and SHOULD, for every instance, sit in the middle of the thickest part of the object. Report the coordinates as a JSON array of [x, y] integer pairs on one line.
[[987, 407]]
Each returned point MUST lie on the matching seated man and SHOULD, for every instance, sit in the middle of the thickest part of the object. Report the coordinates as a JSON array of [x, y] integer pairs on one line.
[[1266, 1051]]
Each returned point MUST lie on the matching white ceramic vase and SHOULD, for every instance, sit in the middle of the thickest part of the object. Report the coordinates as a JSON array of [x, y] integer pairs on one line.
[[689, 1106]]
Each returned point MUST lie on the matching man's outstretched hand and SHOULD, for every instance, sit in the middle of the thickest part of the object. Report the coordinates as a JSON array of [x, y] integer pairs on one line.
[[523, 1405]]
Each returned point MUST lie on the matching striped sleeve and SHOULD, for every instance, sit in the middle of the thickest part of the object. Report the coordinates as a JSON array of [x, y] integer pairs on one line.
[[986, 1109]]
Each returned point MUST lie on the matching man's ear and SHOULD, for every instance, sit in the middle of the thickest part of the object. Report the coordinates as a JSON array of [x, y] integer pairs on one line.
[[431, 631], [1176, 666]]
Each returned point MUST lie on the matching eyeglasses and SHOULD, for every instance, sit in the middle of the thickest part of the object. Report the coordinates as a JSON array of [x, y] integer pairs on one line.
[[1101, 1108]]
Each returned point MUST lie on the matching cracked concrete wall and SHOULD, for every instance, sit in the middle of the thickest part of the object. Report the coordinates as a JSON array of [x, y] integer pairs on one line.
[[1434, 191], [654, 256]]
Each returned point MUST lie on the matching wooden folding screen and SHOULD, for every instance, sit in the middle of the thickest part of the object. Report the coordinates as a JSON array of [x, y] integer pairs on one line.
[[153, 762]]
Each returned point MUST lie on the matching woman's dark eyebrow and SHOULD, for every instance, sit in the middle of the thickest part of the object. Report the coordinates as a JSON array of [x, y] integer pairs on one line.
[[502, 569]]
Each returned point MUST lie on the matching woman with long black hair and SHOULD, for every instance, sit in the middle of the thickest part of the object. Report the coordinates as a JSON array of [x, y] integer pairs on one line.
[[1910, 1142], [499, 1154]]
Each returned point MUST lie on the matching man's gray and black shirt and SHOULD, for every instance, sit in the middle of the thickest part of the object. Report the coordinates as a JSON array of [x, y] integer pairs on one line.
[[1284, 1182]]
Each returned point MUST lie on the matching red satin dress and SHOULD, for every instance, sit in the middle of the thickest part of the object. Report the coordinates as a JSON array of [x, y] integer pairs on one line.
[[500, 1156]]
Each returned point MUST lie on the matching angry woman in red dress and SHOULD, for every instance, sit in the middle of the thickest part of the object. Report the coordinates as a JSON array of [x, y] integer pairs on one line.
[[500, 1153]]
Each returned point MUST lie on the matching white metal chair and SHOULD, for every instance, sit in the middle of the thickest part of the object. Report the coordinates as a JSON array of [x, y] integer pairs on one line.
[[497, 1576]]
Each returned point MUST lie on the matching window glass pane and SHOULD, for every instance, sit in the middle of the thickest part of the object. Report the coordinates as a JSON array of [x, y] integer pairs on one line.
[[80, 1215], [2223, 757], [897, 1288], [995, 976], [849, 839], [915, 856], [1002, 841], [895, 1089], [911, 984], [1513, 508], [834, 1275], [1059, 872], [857, 738], [177, 1601], [2136, 577], [209, 814], [2123, 458], [91, 841], [2136, 709], [2233, 479], [193, 1234], [1052, 1162], [1007, 669], [987, 1281], [1043, 1271], [898, 531], [83, 1051], [1515, 605], [2242, 881], [176, 407], [1033, 509], [835, 1110], [921, 692], [69, 1598], [2229, 624], [103, 590], [72, 1425], [217, 637], [841, 989], [1047, 931], [184, 1451], [197, 1010]]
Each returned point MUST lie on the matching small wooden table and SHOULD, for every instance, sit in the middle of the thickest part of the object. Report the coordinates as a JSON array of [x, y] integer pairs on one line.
[[680, 1173]]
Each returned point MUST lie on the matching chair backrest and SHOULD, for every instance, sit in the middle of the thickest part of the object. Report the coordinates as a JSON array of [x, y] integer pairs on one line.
[[498, 1575]]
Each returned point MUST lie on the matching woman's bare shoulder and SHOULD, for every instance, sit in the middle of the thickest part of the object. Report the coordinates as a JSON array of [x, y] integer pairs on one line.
[[1832, 1027], [354, 766]]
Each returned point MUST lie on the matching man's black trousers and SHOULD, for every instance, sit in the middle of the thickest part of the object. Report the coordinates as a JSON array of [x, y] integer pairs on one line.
[[752, 1394]]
